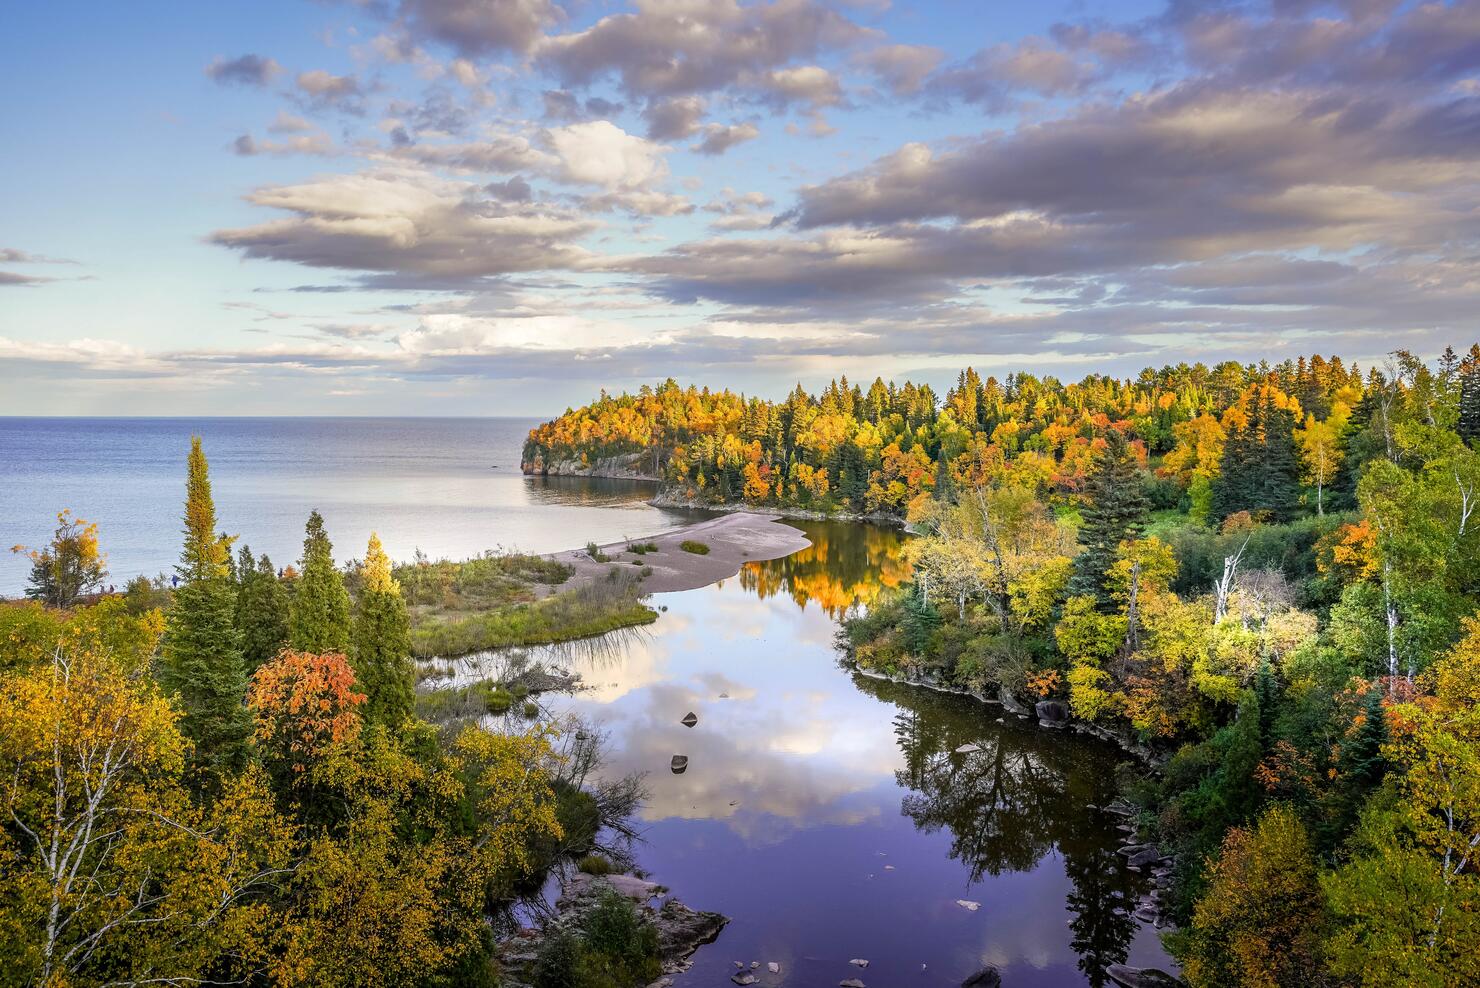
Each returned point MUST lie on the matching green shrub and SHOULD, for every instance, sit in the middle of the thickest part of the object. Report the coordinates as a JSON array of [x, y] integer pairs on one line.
[[642, 548], [615, 948], [595, 864], [594, 551], [697, 548]]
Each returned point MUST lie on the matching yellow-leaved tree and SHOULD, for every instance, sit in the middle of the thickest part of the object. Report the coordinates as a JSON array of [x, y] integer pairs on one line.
[[108, 872]]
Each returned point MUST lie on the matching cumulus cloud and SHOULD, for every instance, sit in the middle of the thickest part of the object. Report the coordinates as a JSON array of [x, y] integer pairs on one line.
[[478, 27], [663, 50], [321, 90], [601, 153], [719, 138], [426, 231], [674, 118], [564, 105], [244, 70], [740, 211], [902, 68]]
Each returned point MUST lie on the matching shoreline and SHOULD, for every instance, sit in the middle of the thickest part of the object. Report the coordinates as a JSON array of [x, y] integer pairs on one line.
[[734, 539]]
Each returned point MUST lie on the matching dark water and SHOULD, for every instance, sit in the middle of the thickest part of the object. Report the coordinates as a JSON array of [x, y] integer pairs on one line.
[[832, 816], [449, 486]]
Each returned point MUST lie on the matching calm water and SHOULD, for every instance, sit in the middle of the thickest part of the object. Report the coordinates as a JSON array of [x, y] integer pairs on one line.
[[451, 487], [831, 815]]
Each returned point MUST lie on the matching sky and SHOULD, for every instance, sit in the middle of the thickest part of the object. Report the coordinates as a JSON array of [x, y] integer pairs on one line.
[[499, 207]]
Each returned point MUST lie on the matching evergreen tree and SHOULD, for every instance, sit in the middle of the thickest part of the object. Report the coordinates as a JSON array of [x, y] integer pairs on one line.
[[945, 487], [1114, 511], [261, 610], [382, 637], [1278, 466], [1233, 489], [1358, 445], [1469, 396], [318, 618], [919, 623], [201, 659], [1360, 766]]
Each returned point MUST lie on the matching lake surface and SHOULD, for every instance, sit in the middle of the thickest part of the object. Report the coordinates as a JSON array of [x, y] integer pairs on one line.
[[832, 815], [450, 487]]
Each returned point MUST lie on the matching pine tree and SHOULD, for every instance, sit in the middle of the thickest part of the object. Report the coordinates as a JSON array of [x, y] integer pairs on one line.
[[318, 618], [1469, 396], [382, 637], [201, 659], [1115, 510], [1279, 466], [1233, 489], [261, 610]]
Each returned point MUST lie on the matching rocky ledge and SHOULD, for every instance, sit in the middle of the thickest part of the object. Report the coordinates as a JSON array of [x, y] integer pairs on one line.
[[627, 466], [681, 930]]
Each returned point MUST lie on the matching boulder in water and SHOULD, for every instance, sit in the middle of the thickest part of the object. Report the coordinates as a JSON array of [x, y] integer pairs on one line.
[[679, 764], [987, 977], [690, 719], [858, 962], [1052, 713], [968, 905], [1141, 977], [744, 978]]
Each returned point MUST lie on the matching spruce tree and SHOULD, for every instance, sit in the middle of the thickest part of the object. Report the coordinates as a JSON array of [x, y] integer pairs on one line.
[[382, 637], [261, 610], [201, 660], [318, 618], [1114, 511], [1233, 489], [1469, 396], [1278, 466]]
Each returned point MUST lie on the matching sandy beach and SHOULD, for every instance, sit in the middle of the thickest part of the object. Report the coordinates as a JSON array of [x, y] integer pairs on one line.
[[733, 540]]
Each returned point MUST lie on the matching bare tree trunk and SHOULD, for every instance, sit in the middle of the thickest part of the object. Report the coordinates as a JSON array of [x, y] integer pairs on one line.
[[1223, 588], [1392, 623], [1132, 613]]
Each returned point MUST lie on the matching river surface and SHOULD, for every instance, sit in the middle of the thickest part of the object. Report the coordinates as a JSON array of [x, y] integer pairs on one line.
[[450, 487], [834, 816]]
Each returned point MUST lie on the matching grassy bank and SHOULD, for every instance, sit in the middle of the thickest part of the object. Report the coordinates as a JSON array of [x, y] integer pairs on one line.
[[582, 612]]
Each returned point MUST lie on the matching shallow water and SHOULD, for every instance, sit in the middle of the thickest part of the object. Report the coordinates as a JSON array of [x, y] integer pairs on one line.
[[832, 816], [451, 487]]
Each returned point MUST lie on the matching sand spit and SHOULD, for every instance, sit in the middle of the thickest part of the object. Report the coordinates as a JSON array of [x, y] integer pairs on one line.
[[733, 540]]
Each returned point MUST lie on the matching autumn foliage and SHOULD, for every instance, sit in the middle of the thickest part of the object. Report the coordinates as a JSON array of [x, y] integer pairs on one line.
[[305, 705]]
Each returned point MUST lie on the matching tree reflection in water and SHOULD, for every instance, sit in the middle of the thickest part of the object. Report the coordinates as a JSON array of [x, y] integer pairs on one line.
[[1018, 794], [846, 564]]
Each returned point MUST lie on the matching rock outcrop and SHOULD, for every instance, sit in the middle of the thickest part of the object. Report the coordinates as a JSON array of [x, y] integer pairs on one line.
[[681, 930], [626, 466]]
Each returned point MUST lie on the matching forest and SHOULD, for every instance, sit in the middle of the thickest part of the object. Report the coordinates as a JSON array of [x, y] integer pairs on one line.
[[1265, 579], [228, 777]]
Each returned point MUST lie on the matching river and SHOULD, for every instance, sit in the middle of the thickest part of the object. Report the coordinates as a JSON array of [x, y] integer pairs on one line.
[[834, 816]]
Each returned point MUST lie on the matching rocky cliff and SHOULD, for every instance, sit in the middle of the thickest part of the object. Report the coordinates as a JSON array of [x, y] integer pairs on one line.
[[627, 466]]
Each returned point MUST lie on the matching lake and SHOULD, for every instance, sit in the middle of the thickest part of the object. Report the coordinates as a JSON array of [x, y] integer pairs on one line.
[[451, 487], [834, 816]]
